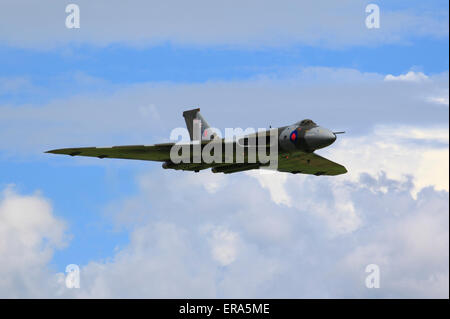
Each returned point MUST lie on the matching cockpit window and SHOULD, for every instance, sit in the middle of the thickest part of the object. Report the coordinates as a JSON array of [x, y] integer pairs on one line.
[[307, 122]]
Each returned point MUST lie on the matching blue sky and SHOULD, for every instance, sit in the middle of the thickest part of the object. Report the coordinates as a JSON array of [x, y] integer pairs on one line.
[[97, 86]]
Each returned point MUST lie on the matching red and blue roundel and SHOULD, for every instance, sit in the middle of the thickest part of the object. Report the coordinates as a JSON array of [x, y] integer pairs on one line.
[[293, 136]]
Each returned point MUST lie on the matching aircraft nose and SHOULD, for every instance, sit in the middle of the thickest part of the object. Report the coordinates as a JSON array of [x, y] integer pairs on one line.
[[319, 137]]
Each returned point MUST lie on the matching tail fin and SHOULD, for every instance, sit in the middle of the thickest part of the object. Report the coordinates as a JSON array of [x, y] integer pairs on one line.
[[205, 130]]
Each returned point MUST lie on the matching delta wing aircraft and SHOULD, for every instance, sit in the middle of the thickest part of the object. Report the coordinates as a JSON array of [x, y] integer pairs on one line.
[[295, 146]]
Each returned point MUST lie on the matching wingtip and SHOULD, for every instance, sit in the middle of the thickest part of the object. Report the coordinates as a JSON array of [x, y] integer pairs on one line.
[[55, 151]]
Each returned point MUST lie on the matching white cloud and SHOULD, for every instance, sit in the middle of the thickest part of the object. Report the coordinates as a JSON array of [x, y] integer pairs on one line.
[[274, 182], [404, 133], [224, 244], [163, 260], [339, 215], [411, 76], [206, 257], [400, 151], [232, 23], [415, 240], [442, 100], [341, 218], [211, 183], [212, 248], [29, 234]]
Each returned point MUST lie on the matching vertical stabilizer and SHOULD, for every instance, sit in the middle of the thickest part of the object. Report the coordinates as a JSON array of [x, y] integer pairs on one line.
[[205, 130]]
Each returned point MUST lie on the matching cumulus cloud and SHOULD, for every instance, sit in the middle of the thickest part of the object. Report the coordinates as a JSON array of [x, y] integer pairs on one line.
[[238, 242], [223, 248], [163, 260], [411, 76], [400, 151], [232, 23], [407, 241], [274, 182], [224, 244], [29, 234]]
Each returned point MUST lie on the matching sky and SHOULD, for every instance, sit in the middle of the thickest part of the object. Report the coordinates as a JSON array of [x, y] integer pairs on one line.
[[138, 231]]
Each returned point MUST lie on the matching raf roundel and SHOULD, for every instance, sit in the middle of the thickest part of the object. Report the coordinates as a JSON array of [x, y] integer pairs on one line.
[[293, 136]]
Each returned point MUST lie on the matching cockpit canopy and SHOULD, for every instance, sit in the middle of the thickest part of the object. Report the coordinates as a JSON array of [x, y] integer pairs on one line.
[[306, 122]]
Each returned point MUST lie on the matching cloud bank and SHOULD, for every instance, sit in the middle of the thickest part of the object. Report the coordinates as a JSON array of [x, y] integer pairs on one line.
[[238, 242]]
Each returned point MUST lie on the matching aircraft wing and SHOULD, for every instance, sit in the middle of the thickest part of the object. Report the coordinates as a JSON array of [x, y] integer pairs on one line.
[[157, 152], [304, 163], [309, 163]]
